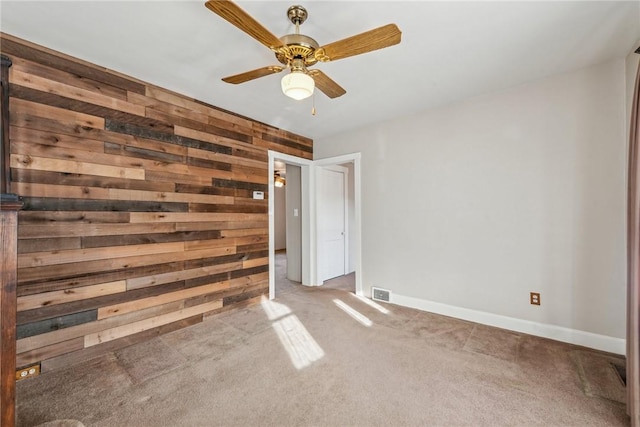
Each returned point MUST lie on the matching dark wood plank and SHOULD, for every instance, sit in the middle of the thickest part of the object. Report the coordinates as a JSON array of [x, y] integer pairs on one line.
[[211, 164], [139, 239], [53, 100], [208, 262], [50, 244], [241, 185], [144, 132], [204, 189], [234, 299], [249, 271], [200, 207], [57, 204], [142, 153], [53, 324], [253, 247], [34, 217], [204, 280]]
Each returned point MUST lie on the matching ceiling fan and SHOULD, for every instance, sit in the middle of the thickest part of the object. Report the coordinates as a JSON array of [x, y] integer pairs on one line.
[[297, 52]]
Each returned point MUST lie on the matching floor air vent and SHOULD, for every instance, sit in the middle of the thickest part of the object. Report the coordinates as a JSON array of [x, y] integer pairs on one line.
[[381, 294]]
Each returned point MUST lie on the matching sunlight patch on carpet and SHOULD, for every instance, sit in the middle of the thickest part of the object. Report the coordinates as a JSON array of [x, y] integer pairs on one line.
[[370, 303], [353, 312], [302, 349], [274, 310]]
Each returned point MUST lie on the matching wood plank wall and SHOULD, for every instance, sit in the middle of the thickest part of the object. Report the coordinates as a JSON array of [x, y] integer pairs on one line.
[[138, 214]]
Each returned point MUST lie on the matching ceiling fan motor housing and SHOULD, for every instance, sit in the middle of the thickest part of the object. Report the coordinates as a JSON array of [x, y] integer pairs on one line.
[[298, 46]]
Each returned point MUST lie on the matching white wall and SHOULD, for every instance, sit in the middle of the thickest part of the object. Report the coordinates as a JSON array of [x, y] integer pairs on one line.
[[279, 218], [476, 204]]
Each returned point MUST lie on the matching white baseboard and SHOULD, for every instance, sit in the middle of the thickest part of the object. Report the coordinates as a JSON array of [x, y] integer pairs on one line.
[[558, 333]]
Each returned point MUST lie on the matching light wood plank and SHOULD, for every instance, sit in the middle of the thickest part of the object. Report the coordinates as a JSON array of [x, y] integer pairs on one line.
[[38, 259], [137, 217], [21, 161], [141, 195], [255, 262], [34, 136], [129, 306], [37, 231], [57, 88], [174, 276], [245, 232], [43, 299], [20, 106], [143, 325]]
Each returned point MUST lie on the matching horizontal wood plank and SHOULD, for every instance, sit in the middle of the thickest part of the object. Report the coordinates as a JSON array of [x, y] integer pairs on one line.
[[59, 297], [142, 325]]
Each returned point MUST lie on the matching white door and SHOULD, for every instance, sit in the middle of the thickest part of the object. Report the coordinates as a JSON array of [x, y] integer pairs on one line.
[[332, 221]]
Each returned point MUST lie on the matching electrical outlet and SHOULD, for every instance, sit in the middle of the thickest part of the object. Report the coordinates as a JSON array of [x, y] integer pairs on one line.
[[28, 372], [534, 298]]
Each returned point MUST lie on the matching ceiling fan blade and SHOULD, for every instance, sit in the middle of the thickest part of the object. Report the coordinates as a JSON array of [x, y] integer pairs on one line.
[[378, 38], [241, 19], [326, 85], [253, 74]]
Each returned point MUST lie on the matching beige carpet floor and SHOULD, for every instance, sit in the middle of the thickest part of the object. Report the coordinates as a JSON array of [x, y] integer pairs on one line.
[[324, 357]]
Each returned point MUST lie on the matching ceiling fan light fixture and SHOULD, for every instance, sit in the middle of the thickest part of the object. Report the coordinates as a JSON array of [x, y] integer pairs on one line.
[[297, 85], [278, 180]]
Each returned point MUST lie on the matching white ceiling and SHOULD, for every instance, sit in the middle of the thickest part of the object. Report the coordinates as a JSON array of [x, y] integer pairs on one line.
[[449, 50]]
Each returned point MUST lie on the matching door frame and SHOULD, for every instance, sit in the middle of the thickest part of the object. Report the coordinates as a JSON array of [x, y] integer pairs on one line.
[[309, 216], [306, 218], [354, 158]]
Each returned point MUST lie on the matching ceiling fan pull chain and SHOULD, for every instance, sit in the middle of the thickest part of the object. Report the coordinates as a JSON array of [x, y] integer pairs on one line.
[[313, 106]]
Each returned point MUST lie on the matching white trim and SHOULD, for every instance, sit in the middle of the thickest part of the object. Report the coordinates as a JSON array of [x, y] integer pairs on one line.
[[354, 158], [558, 333]]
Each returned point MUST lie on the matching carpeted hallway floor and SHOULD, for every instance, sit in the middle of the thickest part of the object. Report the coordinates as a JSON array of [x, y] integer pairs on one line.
[[324, 357]]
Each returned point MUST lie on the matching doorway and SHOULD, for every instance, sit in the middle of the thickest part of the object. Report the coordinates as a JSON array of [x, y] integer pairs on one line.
[[287, 197], [308, 215]]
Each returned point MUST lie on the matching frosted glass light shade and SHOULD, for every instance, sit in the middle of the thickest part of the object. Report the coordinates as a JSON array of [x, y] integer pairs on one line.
[[297, 85]]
